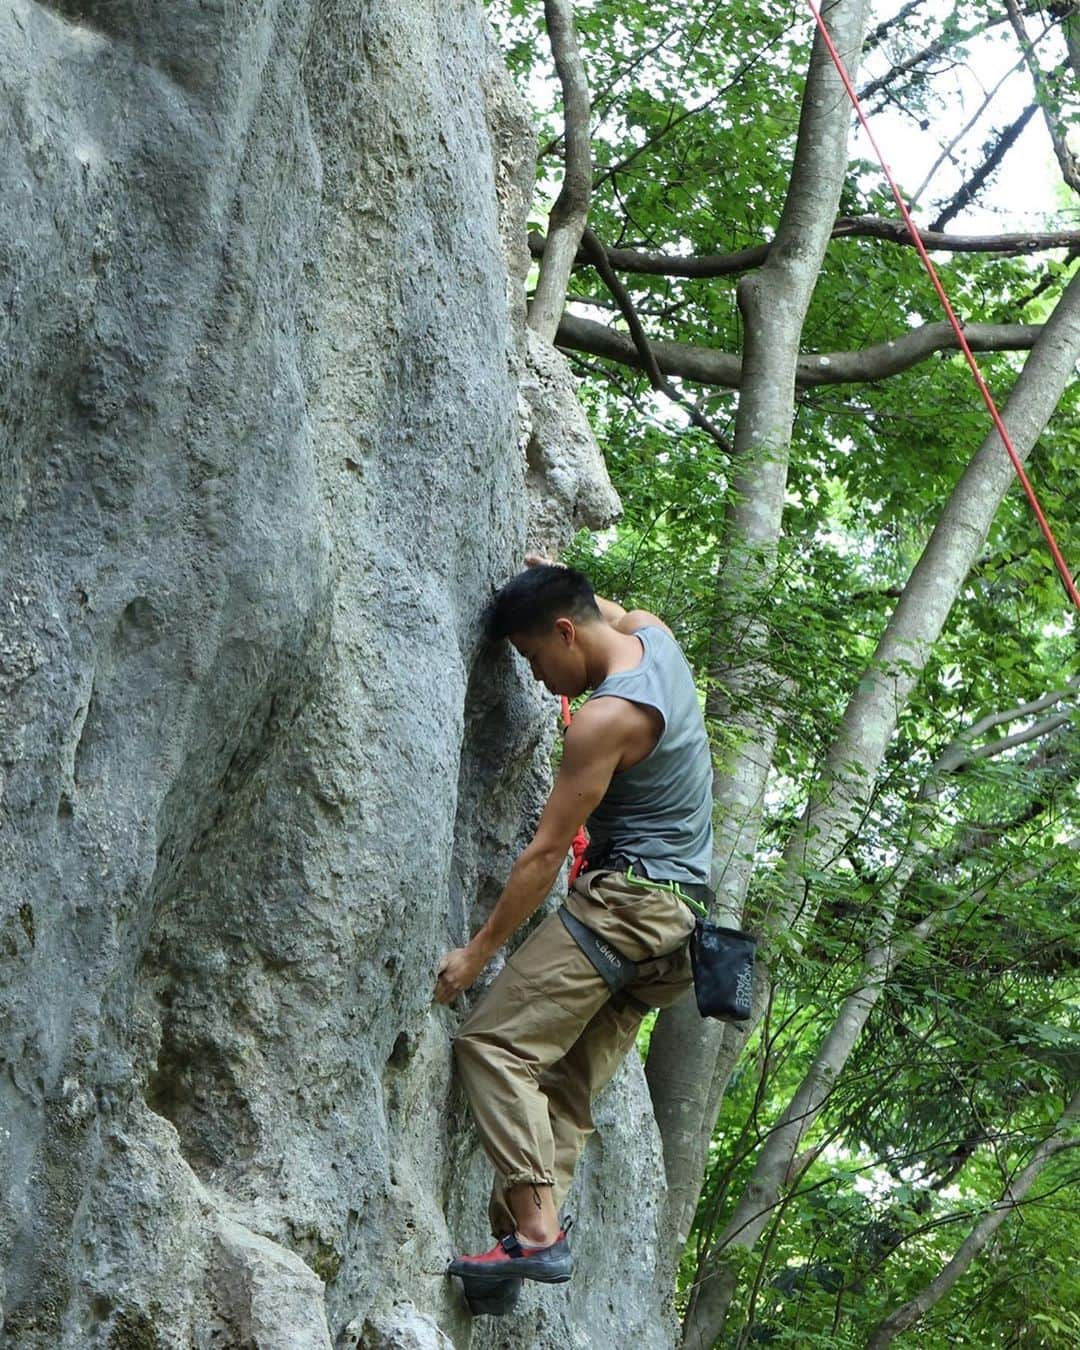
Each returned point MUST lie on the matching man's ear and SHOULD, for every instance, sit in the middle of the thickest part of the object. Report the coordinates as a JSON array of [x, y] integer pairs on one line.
[[565, 629]]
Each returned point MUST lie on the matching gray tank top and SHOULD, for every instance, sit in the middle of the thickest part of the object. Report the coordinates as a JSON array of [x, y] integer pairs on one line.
[[660, 810]]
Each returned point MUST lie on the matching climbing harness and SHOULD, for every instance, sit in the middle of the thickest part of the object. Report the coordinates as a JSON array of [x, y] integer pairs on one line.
[[916, 239]]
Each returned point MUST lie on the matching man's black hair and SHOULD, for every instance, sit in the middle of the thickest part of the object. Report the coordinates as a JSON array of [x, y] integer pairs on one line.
[[534, 599]]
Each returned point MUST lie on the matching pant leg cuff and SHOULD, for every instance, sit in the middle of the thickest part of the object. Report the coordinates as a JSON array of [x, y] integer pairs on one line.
[[527, 1179]]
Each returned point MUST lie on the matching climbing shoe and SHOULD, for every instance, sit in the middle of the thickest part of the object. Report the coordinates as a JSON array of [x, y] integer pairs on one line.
[[511, 1258], [491, 1299]]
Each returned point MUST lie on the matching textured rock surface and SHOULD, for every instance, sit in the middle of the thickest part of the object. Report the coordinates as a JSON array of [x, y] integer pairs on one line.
[[263, 361]]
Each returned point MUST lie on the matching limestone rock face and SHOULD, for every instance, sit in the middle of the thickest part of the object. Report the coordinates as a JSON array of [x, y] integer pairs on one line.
[[271, 433]]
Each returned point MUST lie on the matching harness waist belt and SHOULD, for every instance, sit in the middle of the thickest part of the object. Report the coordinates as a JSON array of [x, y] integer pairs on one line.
[[619, 862]]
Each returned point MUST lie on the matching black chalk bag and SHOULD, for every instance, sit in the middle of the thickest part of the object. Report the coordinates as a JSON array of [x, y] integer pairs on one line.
[[723, 963]]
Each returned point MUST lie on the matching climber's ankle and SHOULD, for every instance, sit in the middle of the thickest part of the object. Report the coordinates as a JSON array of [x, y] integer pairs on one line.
[[533, 1208]]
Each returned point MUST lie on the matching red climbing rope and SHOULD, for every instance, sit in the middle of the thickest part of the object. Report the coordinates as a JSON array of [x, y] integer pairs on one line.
[[581, 839], [916, 238]]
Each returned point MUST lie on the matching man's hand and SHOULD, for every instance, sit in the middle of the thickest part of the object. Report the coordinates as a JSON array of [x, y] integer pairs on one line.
[[457, 972]]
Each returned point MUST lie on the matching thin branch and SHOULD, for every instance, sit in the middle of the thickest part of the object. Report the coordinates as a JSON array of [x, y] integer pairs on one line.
[[960, 754], [947, 150], [989, 562], [874, 37], [676, 119], [978, 836], [1038, 705], [965, 194], [668, 265], [1013, 1195], [663, 313], [707, 365], [1033, 733], [639, 59], [571, 208], [602, 371], [648, 361], [673, 120]]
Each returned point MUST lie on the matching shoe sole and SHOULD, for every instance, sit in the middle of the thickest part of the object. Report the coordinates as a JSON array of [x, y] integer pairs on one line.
[[488, 1281]]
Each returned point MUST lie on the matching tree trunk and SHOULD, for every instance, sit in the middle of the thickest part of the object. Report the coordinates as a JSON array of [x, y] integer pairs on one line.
[[717, 1278], [684, 1051], [865, 730], [571, 208]]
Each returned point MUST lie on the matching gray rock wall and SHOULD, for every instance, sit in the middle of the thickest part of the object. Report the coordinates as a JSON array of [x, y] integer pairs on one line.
[[271, 432]]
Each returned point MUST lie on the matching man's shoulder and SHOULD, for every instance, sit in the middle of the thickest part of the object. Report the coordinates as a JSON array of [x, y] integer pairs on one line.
[[604, 718]]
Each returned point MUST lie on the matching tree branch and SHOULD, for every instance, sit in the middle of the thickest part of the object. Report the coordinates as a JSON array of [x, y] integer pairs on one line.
[[571, 208], [959, 752], [874, 37], [938, 47], [1070, 169], [1071, 24], [774, 1165], [706, 365], [869, 721], [1037, 705], [947, 150], [676, 119], [895, 231], [1033, 733], [706, 265], [668, 265]]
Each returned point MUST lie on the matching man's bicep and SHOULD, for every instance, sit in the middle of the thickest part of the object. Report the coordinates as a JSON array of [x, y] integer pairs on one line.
[[583, 778]]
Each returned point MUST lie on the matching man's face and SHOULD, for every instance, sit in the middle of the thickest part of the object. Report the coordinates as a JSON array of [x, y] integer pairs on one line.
[[554, 658]]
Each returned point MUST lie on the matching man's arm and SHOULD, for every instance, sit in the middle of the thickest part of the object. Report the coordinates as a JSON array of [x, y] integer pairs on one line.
[[629, 620], [591, 752]]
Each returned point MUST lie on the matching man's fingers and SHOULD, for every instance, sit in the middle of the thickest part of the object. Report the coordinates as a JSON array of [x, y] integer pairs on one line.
[[446, 989], [457, 971]]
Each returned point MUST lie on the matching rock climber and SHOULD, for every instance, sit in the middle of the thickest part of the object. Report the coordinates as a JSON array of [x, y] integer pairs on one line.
[[549, 1032]]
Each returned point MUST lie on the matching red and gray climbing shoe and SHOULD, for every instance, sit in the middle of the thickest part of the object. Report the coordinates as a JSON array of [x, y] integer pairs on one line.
[[511, 1258]]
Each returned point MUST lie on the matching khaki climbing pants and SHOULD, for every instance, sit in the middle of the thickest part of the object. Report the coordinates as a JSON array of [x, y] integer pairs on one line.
[[548, 1034]]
